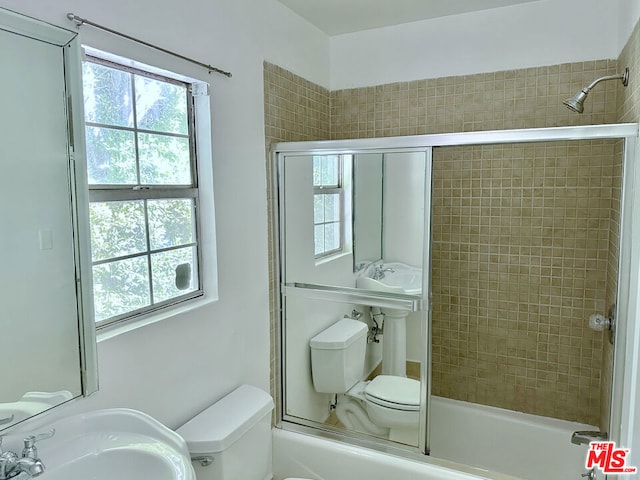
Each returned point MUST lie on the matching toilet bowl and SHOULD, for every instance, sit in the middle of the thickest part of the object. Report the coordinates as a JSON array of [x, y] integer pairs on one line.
[[393, 401], [386, 406]]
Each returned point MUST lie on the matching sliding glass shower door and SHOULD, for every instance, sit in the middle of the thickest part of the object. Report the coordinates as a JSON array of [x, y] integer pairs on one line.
[[473, 262]]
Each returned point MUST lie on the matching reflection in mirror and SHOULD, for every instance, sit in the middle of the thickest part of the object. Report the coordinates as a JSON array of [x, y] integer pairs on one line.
[[367, 199], [347, 366], [348, 216], [317, 192], [41, 321]]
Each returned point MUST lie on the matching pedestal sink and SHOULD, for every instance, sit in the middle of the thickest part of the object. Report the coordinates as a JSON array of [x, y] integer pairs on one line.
[[398, 278], [393, 277], [112, 444]]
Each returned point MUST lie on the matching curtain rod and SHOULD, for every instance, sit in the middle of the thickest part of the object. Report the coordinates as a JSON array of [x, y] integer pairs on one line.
[[79, 21]]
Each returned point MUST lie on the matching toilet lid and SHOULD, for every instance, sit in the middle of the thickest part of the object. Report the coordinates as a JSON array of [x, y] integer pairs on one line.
[[394, 392]]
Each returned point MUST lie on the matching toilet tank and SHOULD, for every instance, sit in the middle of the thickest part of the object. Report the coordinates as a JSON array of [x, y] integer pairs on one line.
[[337, 356], [235, 432]]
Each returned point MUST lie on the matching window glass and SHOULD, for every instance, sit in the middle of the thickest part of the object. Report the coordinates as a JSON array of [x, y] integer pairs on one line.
[[142, 190], [111, 156], [327, 204], [164, 160]]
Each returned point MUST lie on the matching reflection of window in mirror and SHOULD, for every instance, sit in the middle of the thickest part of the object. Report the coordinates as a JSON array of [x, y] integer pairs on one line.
[[329, 203], [143, 190]]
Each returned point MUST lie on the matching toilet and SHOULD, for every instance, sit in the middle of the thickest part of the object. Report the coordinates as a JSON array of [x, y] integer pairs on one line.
[[231, 440], [387, 406]]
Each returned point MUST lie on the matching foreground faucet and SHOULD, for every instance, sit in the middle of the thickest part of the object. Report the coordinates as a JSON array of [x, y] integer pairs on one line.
[[27, 466]]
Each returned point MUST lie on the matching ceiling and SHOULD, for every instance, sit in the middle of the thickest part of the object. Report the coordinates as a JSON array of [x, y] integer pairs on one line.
[[335, 17]]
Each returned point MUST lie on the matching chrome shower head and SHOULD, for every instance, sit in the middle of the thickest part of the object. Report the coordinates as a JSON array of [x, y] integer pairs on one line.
[[576, 103]]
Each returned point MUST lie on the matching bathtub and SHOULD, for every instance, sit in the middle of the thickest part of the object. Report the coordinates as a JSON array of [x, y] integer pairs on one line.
[[499, 444], [525, 446]]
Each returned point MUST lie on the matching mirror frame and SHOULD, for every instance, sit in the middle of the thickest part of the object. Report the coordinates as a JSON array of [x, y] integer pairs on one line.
[[69, 43]]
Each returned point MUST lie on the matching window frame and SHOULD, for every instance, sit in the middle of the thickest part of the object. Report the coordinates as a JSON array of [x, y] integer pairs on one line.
[[332, 189], [98, 193]]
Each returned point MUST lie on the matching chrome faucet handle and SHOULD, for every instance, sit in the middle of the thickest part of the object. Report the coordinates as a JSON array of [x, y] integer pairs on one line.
[[30, 449]]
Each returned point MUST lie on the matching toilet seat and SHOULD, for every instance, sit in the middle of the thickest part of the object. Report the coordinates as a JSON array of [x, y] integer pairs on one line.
[[398, 393]]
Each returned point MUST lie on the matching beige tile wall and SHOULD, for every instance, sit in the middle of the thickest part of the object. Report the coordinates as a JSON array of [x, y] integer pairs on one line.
[[295, 109], [520, 250], [537, 346], [524, 98]]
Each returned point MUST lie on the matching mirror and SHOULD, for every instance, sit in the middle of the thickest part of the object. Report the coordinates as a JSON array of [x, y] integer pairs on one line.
[[46, 345], [352, 233], [388, 196], [346, 214], [368, 186]]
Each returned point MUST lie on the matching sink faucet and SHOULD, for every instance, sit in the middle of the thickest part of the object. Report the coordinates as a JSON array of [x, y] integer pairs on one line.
[[27, 466], [379, 272]]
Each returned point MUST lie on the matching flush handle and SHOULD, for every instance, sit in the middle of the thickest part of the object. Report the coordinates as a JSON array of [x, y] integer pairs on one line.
[[205, 460]]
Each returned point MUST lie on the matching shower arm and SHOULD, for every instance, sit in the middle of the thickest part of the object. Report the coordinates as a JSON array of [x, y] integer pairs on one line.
[[619, 76]]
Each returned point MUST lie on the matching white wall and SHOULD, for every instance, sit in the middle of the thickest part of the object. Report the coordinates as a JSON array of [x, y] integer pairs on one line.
[[403, 208], [532, 34], [628, 15], [175, 368], [367, 221]]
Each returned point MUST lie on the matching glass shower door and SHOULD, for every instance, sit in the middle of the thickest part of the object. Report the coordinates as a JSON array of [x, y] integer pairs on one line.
[[524, 251], [353, 246]]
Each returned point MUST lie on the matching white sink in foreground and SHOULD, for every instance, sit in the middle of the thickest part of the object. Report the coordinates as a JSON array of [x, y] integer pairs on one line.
[[113, 444], [403, 279]]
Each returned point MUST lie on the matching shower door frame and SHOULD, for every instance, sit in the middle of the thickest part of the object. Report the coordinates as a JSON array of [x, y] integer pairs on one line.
[[625, 404]]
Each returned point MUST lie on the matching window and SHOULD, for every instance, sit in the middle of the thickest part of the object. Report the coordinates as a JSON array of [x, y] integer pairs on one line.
[[328, 205], [143, 190]]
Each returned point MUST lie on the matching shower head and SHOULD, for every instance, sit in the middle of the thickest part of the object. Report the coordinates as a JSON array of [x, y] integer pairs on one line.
[[576, 103]]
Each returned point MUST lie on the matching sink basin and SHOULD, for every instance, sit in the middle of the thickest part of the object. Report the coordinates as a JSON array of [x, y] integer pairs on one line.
[[404, 279], [29, 405], [126, 463], [115, 443]]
